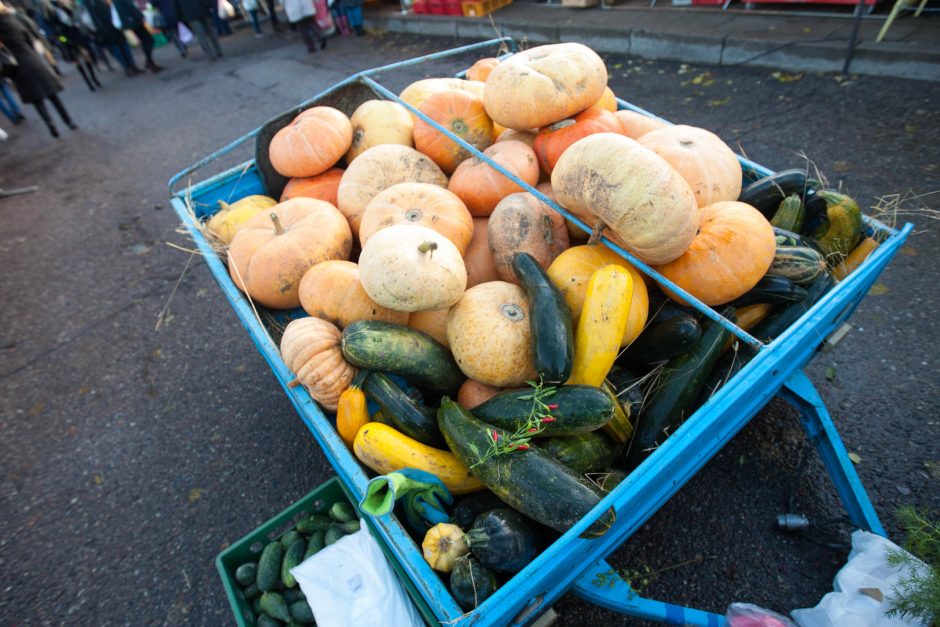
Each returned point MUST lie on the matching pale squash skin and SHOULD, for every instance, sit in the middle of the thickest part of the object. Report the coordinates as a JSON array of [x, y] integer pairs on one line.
[[407, 267], [419, 203], [268, 265], [331, 291], [490, 336], [707, 164], [418, 92], [522, 223], [481, 187], [478, 259], [635, 125], [543, 85], [431, 321], [377, 169], [311, 350], [633, 190], [377, 122], [312, 143]]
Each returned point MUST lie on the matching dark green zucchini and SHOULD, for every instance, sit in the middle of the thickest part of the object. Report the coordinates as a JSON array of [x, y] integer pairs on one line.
[[467, 510], [765, 194], [628, 388], [789, 214], [408, 416], [663, 308], [587, 452], [677, 390], [778, 321], [798, 263], [471, 582], [401, 350], [503, 540], [549, 320], [661, 341], [727, 367], [772, 289], [529, 480], [580, 408]]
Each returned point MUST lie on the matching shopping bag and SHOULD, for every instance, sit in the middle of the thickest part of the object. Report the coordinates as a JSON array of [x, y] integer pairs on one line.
[[323, 18], [186, 35]]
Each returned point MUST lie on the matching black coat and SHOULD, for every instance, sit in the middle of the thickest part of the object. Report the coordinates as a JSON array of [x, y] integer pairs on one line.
[[193, 9], [100, 13], [131, 17], [33, 79]]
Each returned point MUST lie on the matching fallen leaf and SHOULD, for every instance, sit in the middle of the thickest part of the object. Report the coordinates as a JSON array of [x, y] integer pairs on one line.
[[830, 374], [807, 30], [157, 353], [909, 250], [195, 494], [719, 102], [704, 79], [878, 289], [98, 479], [841, 166], [910, 128], [855, 458], [36, 409], [617, 66], [784, 77]]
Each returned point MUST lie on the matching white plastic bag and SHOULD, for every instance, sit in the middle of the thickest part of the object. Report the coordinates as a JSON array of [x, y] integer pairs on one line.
[[862, 589], [351, 583]]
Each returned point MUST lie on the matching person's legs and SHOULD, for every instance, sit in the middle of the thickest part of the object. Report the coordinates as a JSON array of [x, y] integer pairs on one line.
[[146, 44], [272, 10], [354, 16], [90, 68], [8, 103], [304, 26], [81, 70], [253, 14], [206, 36], [44, 114], [54, 99]]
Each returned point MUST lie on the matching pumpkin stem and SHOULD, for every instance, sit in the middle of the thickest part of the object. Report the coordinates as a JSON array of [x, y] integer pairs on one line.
[[560, 125], [293, 383], [223, 206], [596, 233], [425, 247], [278, 228]]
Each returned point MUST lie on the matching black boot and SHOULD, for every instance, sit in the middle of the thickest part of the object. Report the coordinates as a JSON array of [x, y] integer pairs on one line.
[[359, 31]]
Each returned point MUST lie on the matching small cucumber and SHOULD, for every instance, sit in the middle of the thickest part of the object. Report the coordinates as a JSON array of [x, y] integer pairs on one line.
[[252, 592], [315, 543], [301, 613], [289, 538], [269, 566], [341, 512], [292, 557], [333, 534], [293, 595], [246, 573], [313, 523], [266, 621], [273, 605], [350, 526]]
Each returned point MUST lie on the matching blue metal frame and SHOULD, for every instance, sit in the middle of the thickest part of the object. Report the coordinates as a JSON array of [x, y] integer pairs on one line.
[[776, 368]]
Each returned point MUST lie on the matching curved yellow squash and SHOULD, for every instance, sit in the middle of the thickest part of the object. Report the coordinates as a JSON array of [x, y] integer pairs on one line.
[[601, 326]]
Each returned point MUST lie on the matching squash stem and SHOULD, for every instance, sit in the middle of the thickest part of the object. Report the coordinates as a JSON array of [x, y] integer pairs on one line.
[[425, 247], [278, 228], [596, 232]]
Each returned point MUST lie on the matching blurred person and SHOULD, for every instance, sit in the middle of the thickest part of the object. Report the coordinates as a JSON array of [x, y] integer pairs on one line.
[[132, 19], [195, 14], [95, 46], [251, 8], [220, 17], [301, 14], [72, 43], [8, 104], [352, 9], [32, 78], [110, 36], [171, 24], [272, 11]]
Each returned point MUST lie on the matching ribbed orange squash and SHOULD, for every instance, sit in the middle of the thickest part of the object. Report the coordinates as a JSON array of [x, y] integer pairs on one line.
[[481, 187], [522, 223], [460, 113], [311, 350], [553, 140], [480, 70], [608, 101], [320, 187], [419, 91], [272, 251], [377, 122], [635, 125], [478, 259], [419, 203], [733, 249], [431, 321], [331, 291], [312, 143], [707, 164]]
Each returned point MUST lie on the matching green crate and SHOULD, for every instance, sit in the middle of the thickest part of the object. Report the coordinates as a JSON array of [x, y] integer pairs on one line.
[[249, 549]]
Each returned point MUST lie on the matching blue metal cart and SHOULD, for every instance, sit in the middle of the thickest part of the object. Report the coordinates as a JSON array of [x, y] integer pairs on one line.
[[573, 563]]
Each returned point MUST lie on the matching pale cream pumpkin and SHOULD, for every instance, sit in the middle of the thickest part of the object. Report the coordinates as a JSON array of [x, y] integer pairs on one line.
[[377, 122], [635, 125], [310, 348]]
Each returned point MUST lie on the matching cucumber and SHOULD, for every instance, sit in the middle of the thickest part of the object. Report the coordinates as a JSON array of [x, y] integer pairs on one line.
[[766, 194], [503, 540], [581, 408], [256, 608], [467, 510], [301, 613], [587, 452], [395, 348], [269, 566], [341, 512], [771, 289], [530, 481], [252, 592], [798, 263], [350, 526], [315, 543], [471, 582], [246, 573], [333, 534], [266, 621], [549, 319], [838, 228], [661, 341], [313, 523], [778, 321], [677, 390], [293, 595], [407, 416], [789, 214], [289, 538], [273, 605], [293, 556]]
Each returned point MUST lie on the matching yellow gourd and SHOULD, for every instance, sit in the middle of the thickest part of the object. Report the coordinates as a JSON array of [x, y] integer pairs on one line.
[[747, 318], [619, 428], [230, 217], [385, 450], [855, 258], [351, 412], [601, 326], [443, 544]]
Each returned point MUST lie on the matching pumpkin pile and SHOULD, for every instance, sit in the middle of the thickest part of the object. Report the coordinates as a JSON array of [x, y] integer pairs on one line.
[[502, 349]]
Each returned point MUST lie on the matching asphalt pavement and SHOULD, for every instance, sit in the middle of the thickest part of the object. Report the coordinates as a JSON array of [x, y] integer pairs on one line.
[[131, 455]]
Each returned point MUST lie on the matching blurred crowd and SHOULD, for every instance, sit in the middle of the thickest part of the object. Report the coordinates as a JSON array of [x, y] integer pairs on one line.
[[38, 37]]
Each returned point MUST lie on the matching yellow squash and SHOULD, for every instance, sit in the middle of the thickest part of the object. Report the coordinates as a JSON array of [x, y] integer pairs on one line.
[[619, 428], [747, 318], [855, 258], [351, 412], [601, 326], [230, 217], [385, 450]]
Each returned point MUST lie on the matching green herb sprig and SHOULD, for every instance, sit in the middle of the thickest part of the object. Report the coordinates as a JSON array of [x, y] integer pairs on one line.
[[540, 416]]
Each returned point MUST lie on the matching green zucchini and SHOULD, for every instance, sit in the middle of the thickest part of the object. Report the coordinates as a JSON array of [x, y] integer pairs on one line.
[[529, 480], [661, 341], [341, 512], [293, 556], [789, 214], [580, 408], [315, 543], [471, 582], [269, 566], [587, 452], [252, 592], [549, 320], [778, 321], [246, 573], [313, 523], [677, 390], [503, 540], [401, 350], [838, 229], [407, 415], [772, 289], [350, 526], [798, 263], [765, 194], [274, 605], [301, 613]]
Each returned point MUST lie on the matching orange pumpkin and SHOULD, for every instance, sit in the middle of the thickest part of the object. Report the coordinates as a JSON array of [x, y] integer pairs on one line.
[[481, 187], [312, 143], [478, 259], [419, 203], [460, 113], [473, 393], [522, 223], [419, 91], [272, 251], [553, 140], [431, 321], [331, 291], [704, 161], [321, 187], [377, 122], [510, 134], [733, 249], [608, 101], [635, 125], [480, 70], [311, 350]]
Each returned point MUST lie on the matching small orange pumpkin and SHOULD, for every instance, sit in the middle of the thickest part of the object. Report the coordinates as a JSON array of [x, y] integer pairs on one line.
[[311, 350], [432, 322], [480, 70], [733, 249], [418, 92], [312, 143], [481, 187], [463, 115], [608, 101], [553, 140], [321, 187], [635, 125], [419, 203], [473, 393], [331, 291], [478, 259], [523, 223]]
